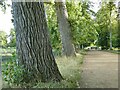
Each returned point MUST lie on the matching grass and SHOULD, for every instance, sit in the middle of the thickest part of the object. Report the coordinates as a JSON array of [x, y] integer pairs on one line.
[[70, 70], [115, 51]]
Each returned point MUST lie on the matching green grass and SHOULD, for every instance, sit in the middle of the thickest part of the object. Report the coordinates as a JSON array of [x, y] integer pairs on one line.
[[115, 50], [83, 51], [70, 70]]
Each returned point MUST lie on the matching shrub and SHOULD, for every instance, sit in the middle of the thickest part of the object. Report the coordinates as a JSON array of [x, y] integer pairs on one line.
[[15, 76], [11, 72]]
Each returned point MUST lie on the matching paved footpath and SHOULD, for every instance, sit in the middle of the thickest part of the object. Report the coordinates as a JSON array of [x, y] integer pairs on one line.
[[99, 70]]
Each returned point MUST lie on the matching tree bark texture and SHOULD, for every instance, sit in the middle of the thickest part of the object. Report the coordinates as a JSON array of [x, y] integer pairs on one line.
[[32, 42], [64, 29]]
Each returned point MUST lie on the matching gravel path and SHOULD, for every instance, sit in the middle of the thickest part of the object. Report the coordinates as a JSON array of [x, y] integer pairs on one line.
[[99, 70]]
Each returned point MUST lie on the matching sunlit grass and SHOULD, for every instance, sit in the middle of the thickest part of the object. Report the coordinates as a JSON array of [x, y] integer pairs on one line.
[[69, 67], [70, 70]]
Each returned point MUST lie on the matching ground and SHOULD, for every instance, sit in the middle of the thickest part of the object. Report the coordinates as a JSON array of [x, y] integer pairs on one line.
[[99, 70]]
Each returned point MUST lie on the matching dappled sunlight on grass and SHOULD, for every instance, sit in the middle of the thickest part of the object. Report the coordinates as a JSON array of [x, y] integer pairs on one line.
[[67, 66]]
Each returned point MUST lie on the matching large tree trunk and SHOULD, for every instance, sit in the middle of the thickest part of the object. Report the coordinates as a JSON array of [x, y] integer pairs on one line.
[[64, 28], [32, 43]]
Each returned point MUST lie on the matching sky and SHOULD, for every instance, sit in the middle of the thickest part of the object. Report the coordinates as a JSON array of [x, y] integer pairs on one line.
[[5, 19], [96, 5]]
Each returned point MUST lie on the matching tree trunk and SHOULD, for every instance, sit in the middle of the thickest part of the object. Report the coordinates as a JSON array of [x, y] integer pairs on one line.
[[32, 42], [110, 32], [64, 29], [110, 40]]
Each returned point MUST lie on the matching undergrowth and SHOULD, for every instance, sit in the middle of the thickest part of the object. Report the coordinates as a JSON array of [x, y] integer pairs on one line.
[[69, 68]]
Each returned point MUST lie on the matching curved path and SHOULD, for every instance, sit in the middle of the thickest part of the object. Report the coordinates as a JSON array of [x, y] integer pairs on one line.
[[99, 70]]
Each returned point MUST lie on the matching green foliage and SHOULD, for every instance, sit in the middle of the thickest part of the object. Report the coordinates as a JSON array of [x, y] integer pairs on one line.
[[70, 69], [53, 28], [83, 30], [12, 37], [83, 26], [7, 51], [15, 75], [118, 34], [107, 22], [12, 73], [3, 39]]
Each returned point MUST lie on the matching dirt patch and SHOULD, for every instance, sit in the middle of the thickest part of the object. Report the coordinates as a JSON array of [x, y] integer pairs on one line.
[[99, 70]]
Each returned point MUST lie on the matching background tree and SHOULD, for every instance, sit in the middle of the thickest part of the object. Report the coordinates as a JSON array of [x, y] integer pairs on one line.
[[83, 26], [118, 36], [64, 28], [53, 28], [105, 21], [32, 42], [111, 7]]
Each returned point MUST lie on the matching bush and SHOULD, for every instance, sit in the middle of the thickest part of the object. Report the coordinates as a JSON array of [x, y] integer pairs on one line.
[[11, 72]]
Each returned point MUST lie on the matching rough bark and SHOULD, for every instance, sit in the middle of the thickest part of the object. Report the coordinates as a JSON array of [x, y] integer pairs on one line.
[[32, 42], [64, 28]]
